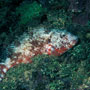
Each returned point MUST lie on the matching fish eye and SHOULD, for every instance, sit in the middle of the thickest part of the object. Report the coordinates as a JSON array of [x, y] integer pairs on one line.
[[62, 35]]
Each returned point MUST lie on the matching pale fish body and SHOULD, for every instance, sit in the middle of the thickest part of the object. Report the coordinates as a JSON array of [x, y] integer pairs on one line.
[[38, 41]]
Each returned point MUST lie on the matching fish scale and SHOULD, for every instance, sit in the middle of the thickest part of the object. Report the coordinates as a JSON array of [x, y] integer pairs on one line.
[[54, 42]]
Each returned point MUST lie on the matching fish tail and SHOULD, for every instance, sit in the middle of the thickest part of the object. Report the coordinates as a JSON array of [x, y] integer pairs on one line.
[[3, 70]]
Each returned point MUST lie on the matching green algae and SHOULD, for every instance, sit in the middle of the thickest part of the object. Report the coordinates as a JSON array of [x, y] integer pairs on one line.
[[28, 11]]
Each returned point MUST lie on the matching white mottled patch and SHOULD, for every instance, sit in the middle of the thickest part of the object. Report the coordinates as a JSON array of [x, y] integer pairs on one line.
[[17, 62], [4, 70]]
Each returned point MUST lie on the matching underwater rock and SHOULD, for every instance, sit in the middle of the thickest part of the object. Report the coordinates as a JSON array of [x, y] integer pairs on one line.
[[37, 41]]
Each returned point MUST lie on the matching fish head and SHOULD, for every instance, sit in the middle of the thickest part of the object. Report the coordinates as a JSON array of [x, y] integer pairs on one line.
[[61, 41], [67, 39]]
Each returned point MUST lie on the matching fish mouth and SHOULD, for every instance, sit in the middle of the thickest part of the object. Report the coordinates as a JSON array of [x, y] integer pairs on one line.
[[75, 40], [72, 39]]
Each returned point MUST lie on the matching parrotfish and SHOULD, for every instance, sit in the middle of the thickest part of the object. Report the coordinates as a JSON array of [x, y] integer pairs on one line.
[[37, 42]]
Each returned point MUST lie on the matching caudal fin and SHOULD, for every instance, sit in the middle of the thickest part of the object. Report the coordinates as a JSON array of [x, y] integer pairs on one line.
[[3, 70]]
